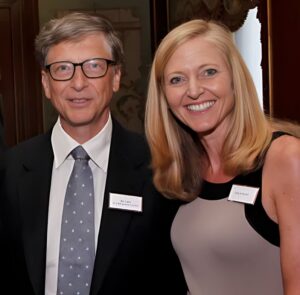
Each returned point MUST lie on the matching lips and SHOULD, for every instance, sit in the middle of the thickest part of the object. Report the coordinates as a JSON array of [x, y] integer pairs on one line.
[[78, 100], [201, 106]]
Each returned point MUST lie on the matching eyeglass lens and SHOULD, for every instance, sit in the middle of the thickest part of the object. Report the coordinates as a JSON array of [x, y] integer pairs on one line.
[[91, 68]]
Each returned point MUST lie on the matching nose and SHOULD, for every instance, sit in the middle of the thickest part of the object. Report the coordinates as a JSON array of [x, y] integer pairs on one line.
[[79, 80], [195, 89]]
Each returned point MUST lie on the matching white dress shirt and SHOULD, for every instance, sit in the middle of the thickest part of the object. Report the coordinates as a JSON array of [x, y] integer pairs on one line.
[[98, 149]]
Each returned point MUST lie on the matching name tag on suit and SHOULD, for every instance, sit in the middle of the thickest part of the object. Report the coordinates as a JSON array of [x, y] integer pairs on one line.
[[125, 202]]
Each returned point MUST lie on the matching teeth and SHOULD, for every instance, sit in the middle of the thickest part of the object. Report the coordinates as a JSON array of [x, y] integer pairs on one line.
[[200, 107], [78, 100]]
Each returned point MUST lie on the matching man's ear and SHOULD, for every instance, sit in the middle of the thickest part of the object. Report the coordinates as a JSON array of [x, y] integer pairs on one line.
[[116, 78], [46, 84]]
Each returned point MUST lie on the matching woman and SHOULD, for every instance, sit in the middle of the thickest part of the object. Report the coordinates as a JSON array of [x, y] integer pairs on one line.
[[237, 171]]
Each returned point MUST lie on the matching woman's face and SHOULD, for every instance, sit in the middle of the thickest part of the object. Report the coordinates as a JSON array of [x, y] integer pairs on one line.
[[198, 86]]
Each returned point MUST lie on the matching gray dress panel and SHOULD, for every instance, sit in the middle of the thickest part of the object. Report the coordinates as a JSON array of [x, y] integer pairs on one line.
[[221, 254]]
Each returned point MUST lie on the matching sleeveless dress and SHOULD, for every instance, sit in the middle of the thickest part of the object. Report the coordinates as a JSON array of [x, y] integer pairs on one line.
[[227, 247]]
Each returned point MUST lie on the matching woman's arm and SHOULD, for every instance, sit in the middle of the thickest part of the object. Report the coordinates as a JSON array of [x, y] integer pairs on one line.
[[282, 172]]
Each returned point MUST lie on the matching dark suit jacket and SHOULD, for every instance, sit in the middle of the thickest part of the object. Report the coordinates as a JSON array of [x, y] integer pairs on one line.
[[134, 254]]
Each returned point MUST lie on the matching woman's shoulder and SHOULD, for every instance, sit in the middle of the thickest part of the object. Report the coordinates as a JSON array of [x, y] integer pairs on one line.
[[283, 157], [281, 174], [284, 146]]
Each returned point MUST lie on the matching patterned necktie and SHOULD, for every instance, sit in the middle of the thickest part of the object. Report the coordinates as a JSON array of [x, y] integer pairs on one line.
[[77, 241]]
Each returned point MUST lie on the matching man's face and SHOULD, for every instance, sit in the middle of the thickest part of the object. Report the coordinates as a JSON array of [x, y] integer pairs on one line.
[[83, 103]]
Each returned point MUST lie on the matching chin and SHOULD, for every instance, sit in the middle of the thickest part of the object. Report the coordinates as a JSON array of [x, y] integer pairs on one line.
[[77, 122]]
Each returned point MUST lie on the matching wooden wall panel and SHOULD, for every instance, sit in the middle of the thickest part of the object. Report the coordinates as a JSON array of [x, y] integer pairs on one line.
[[284, 21], [20, 82]]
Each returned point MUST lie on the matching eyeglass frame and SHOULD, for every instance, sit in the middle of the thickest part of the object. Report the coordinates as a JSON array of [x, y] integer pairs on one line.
[[108, 63]]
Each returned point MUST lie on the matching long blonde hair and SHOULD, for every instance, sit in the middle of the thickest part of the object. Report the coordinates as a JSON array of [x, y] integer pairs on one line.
[[176, 152]]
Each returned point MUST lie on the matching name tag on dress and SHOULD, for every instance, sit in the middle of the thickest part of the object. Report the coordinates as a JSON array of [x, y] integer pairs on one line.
[[243, 194], [125, 202]]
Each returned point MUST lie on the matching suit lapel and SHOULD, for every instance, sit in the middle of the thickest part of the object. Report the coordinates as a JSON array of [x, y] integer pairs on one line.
[[34, 188], [121, 178]]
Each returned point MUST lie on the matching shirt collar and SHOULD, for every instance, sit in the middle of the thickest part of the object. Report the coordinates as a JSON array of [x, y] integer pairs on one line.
[[97, 147]]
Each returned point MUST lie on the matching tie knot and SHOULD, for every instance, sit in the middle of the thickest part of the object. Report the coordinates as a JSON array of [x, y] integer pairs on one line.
[[80, 153]]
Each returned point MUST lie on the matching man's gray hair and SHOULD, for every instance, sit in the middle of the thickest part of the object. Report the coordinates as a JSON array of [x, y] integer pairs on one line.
[[72, 27]]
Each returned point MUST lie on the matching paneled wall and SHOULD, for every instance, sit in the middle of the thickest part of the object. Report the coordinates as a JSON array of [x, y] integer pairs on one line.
[[284, 32]]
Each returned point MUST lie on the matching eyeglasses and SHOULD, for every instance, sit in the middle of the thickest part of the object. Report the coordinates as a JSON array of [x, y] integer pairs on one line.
[[91, 68]]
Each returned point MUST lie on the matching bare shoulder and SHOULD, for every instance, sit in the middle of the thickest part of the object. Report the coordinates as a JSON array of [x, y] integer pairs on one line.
[[284, 150], [282, 167]]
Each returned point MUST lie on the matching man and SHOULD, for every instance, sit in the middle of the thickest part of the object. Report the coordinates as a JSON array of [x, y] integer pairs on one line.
[[128, 242]]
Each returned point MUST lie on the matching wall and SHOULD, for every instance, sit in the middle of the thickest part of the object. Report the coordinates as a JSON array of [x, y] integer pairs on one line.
[[248, 37], [284, 32]]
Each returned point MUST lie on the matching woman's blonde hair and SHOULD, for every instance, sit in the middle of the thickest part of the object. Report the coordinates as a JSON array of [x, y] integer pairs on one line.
[[176, 151]]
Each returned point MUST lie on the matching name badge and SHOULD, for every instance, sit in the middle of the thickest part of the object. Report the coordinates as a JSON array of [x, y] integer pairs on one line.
[[125, 202], [243, 194]]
